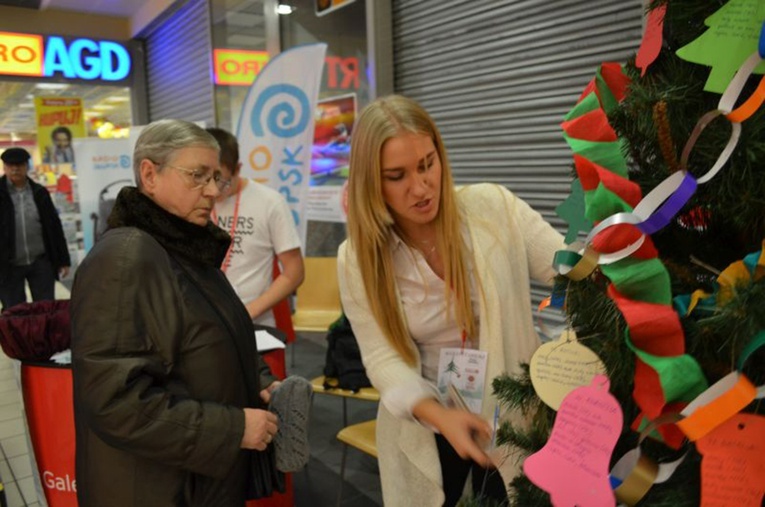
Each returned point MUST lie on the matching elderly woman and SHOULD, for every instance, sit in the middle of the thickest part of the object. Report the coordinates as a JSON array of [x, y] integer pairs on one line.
[[169, 406]]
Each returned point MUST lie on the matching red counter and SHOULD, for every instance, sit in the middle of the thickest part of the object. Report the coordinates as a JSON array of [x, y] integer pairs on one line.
[[47, 393]]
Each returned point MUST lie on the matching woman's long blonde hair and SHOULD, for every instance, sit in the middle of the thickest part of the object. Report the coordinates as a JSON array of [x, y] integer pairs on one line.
[[370, 223]]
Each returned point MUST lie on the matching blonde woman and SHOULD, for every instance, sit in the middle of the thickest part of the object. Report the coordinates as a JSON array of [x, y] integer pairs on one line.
[[435, 282]]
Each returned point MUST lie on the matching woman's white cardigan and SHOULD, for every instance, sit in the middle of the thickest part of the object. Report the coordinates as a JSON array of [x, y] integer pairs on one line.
[[511, 243]]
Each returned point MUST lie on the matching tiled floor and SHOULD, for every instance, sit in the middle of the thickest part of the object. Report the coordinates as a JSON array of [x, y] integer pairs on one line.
[[15, 463]]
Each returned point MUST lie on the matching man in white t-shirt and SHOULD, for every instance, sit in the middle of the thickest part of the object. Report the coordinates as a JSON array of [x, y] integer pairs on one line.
[[261, 225]]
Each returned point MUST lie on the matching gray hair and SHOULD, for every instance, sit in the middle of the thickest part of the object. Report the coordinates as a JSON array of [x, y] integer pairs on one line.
[[160, 139]]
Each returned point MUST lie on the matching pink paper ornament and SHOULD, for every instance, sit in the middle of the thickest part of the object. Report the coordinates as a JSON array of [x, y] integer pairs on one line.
[[573, 466]]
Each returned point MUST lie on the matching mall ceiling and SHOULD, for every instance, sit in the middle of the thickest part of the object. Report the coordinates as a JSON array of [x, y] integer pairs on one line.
[[122, 8]]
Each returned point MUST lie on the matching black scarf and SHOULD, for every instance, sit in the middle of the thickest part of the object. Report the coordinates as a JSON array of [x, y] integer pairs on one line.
[[206, 245]]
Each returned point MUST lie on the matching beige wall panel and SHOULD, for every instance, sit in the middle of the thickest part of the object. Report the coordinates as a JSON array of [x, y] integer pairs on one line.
[[68, 23]]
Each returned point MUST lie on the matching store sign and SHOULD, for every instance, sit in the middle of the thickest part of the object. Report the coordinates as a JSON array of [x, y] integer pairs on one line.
[[25, 55], [21, 54], [239, 67]]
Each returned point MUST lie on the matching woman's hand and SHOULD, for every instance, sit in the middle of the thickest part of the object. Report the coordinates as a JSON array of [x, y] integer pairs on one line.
[[260, 426], [463, 430], [265, 394], [468, 434]]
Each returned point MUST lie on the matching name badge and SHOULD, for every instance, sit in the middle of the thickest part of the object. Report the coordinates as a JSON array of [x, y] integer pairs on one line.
[[465, 369]]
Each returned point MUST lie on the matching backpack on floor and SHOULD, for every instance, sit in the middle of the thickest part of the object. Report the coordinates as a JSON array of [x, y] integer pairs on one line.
[[343, 360]]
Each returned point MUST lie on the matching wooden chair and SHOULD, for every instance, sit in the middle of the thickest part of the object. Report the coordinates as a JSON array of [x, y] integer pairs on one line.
[[318, 298], [365, 393], [362, 436]]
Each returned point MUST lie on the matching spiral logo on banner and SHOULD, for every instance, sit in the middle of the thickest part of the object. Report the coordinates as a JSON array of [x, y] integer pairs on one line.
[[275, 128], [285, 108]]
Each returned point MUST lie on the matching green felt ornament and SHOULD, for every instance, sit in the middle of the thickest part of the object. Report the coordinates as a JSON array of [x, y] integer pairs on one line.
[[572, 211], [733, 35]]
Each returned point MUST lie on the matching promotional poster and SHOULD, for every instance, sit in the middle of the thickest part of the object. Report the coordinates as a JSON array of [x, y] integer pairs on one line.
[[104, 166], [59, 120], [330, 158]]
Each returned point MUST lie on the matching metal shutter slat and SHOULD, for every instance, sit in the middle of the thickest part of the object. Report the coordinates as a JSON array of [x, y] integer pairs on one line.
[[178, 66]]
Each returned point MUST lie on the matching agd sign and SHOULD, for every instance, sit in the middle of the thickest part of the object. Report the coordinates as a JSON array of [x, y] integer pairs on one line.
[[53, 56]]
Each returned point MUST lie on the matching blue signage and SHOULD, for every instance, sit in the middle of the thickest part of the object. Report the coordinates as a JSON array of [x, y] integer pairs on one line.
[[86, 59]]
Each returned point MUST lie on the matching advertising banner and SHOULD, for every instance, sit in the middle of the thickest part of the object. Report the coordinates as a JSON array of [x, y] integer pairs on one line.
[[276, 125], [330, 158], [59, 119], [47, 392], [104, 166]]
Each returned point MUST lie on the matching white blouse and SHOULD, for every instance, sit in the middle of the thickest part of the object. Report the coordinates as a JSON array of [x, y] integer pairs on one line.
[[423, 300]]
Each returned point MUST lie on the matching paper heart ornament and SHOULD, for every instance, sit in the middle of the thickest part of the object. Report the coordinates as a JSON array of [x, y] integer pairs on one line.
[[573, 465]]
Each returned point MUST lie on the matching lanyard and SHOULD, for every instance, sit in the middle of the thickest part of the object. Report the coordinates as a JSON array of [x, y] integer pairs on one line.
[[214, 216]]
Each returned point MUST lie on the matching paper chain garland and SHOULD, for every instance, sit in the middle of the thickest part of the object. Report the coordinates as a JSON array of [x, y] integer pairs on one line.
[[666, 378]]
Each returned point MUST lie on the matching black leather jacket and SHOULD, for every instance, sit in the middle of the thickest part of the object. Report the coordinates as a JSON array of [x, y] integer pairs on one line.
[[164, 358], [53, 234]]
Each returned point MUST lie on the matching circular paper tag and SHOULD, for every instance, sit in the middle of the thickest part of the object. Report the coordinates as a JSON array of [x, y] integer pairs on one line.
[[560, 366]]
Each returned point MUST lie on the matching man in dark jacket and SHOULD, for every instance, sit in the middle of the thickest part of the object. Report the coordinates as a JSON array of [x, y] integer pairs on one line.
[[32, 243]]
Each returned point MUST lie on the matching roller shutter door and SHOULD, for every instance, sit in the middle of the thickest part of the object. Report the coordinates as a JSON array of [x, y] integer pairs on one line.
[[498, 77], [178, 61]]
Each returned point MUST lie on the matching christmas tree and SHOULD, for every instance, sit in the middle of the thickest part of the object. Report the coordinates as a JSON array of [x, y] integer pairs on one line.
[[680, 305]]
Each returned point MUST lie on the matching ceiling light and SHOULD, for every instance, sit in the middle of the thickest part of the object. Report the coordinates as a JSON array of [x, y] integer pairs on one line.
[[284, 9], [117, 98], [26, 104], [51, 86], [102, 107]]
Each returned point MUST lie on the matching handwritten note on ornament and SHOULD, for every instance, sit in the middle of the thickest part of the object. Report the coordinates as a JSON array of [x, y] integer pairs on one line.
[[732, 36], [573, 466], [559, 367], [733, 466]]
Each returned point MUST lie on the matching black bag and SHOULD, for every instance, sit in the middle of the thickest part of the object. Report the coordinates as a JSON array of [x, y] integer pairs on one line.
[[343, 361]]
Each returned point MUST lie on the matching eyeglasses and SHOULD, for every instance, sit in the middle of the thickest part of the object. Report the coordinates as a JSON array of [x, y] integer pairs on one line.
[[223, 184], [202, 178]]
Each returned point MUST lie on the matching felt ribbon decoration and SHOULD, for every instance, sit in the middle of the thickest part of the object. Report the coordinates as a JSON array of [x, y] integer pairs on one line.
[[640, 284], [750, 269], [663, 203]]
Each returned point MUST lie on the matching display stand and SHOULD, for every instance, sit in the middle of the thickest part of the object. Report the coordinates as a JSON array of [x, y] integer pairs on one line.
[[47, 392]]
